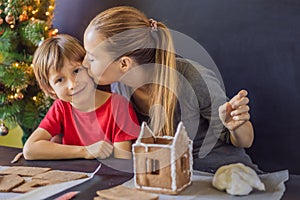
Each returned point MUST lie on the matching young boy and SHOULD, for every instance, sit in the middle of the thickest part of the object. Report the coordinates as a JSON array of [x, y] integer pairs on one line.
[[88, 119]]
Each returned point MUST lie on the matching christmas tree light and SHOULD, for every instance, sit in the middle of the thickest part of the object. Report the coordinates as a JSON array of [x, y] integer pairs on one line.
[[23, 25]]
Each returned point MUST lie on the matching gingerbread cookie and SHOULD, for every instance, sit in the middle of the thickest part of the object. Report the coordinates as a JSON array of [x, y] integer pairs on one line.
[[121, 192], [31, 185], [24, 171], [56, 176], [8, 182]]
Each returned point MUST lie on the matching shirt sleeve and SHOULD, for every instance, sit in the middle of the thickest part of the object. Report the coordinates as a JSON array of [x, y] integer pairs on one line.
[[199, 111], [52, 122]]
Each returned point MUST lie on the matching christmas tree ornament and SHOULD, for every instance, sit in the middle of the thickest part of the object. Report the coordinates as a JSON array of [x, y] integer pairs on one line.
[[1, 21], [23, 17], [6, 10], [3, 129], [10, 19], [1, 11], [19, 96]]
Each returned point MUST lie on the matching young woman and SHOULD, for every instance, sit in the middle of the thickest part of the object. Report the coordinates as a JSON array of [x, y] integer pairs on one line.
[[136, 56]]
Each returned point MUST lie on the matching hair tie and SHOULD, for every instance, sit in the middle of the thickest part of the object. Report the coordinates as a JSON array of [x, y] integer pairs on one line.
[[153, 24]]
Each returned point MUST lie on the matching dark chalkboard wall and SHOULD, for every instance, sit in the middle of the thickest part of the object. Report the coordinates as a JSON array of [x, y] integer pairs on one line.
[[256, 46]]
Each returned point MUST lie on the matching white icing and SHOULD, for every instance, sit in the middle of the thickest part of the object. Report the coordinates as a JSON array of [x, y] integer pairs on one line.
[[173, 170], [163, 189], [154, 145], [145, 128], [179, 128], [167, 137], [134, 169], [191, 160]]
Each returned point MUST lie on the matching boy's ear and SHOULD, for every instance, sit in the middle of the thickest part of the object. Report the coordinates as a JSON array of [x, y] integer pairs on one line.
[[125, 63], [52, 94]]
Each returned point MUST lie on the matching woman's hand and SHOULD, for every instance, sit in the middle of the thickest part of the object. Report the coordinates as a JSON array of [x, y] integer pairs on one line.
[[235, 116], [99, 149], [235, 113]]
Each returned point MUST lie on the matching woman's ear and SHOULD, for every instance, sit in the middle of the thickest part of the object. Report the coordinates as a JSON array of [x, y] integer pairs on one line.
[[125, 63]]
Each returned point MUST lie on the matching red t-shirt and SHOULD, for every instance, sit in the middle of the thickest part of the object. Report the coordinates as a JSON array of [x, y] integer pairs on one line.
[[114, 121]]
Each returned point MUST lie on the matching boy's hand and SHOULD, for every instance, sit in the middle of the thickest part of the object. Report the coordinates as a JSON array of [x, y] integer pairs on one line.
[[99, 149], [57, 139], [235, 113]]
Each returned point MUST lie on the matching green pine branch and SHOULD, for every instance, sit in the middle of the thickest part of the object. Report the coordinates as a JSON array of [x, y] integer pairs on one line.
[[7, 40], [15, 78], [34, 32], [21, 100]]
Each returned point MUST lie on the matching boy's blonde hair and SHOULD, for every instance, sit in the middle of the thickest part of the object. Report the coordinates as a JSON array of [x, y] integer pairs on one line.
[[52, 53]]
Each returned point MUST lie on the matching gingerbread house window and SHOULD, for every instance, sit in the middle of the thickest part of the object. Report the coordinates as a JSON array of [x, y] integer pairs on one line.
[[184, 163], [152, 166]]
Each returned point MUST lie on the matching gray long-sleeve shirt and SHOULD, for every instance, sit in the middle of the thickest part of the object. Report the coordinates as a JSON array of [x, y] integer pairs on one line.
[[199, 96]]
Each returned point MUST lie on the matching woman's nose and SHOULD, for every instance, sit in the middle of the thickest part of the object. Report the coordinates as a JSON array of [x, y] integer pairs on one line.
[[86, 63]]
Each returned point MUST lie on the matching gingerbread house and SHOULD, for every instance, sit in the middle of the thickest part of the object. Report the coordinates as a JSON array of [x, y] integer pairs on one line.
[[162, 164]]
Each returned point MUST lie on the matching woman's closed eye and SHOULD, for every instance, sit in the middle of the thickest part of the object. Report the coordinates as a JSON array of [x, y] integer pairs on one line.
[[90, 59]]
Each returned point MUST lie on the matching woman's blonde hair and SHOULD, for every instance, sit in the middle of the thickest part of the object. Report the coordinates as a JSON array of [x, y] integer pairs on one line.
[[130, 33], [52, 53]]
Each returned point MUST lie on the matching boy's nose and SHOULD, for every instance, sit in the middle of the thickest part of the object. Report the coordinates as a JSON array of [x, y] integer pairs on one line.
[[72, 84]]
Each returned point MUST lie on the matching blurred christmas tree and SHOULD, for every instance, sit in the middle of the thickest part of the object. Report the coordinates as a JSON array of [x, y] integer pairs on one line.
[[23, 25]]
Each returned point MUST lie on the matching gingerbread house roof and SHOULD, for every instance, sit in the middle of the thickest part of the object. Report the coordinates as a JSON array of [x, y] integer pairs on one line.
[[148, 137]]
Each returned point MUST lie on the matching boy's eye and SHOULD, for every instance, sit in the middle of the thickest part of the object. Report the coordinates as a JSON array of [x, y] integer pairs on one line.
[[76, 71], [59, 80]]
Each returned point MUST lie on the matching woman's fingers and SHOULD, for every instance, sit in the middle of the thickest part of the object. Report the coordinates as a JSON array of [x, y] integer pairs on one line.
[[239, 99], [242, 117], [242, 109]]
